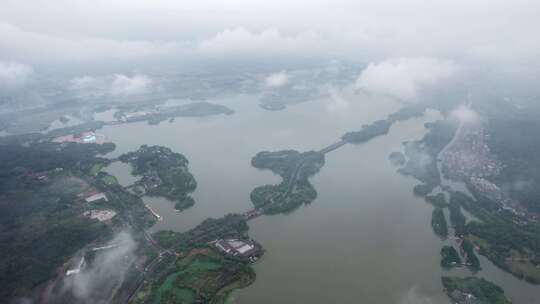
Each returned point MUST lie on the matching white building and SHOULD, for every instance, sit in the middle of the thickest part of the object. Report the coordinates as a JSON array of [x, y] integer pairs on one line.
[[96, 197]]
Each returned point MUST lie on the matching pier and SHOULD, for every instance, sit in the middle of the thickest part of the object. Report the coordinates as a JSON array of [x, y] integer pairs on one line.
[[154, 213]]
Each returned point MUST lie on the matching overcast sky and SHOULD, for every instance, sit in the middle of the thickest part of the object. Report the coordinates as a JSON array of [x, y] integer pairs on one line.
[[394, 36], [41, 30]]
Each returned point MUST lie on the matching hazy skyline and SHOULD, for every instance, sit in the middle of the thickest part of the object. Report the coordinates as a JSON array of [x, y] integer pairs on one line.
[[405, 46], [76, 31]]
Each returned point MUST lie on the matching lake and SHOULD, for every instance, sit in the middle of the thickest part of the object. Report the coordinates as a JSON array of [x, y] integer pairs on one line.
[[366, 238]]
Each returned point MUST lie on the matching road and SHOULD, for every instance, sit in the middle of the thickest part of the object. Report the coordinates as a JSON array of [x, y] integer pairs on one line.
[[333, 146], [148, 270], [294, 177]]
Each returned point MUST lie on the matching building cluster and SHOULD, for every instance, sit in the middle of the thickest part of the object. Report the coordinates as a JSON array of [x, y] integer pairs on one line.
[[93, 195], [38, 176], [239, 248], [252, 214], [469, 155], [136, 115], [83, 138], [146, 184], [460, 297], [495, 194], [489, 190], [100, 215], [42, 176], [150, 181]]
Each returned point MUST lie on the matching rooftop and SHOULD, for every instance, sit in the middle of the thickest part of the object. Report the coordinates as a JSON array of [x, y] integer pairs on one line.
[[236, 247], [96, 197]]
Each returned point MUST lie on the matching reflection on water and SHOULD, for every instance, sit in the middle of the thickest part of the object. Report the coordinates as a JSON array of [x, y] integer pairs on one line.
[[366, 238]]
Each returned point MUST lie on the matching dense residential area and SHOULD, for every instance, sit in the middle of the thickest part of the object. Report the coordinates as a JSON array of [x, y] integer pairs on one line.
[[505, 225]]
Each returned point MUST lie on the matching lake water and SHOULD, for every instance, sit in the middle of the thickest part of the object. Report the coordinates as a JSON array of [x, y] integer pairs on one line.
[[122, 171], [366, 238]]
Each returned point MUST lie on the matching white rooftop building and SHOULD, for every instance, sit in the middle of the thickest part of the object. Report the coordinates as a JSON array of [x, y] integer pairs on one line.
[[96, 197]]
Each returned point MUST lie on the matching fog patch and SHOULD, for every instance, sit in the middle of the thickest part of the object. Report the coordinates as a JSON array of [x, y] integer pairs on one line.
[[421, 157], [14, 75], [337, 103], [117, 85], [465, 114], [240, 41], [412, 296], [83, 82], [20, 44], [102, 276], [522, 185], [22, 301], [404, 78], [124, 85], [277, 80]]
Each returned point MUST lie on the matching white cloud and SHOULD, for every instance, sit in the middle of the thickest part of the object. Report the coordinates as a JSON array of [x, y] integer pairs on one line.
[[112, 34], [277, 80], [412, 296], [123, 85], [403, 78], [117, 85], [98, 279], [370, 30], [83, 82], [270, 42], [18, 43], [14, 75], [337, 103], [465, 114]]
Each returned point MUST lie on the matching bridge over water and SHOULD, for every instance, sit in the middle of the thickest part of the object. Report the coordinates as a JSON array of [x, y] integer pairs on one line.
[[333, 147]]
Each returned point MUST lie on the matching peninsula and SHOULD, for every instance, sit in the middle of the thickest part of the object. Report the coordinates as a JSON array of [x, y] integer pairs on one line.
[[202, 265], [155, 115], [473, 290]]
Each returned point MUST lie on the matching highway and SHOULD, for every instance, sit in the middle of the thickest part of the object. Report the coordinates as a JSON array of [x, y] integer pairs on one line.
[[148, 270], [294, 177]]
